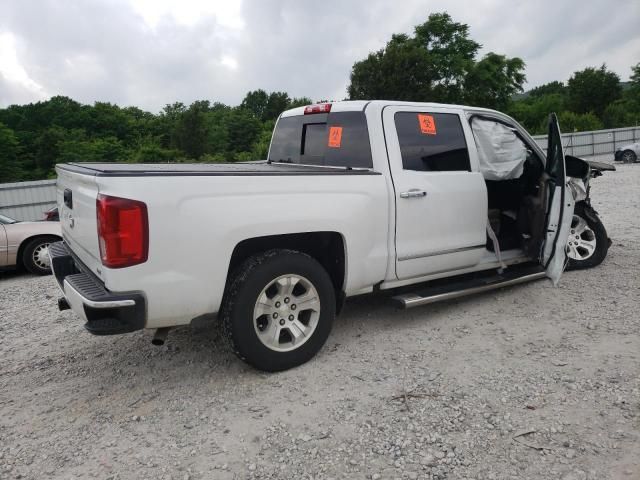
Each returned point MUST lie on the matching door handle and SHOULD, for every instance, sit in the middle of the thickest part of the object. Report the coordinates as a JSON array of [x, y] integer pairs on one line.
[[413, 193]]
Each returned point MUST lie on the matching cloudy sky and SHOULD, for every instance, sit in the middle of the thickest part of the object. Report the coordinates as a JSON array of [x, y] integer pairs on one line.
[[153, 52]]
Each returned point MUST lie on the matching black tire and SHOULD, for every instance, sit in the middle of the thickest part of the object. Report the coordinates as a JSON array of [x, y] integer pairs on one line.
[[629, 156], [243, 290], [30, 257], [600, 234]]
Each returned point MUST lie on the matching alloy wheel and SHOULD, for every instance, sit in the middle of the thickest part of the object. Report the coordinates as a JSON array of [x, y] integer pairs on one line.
[[582, 240], [286, 313]]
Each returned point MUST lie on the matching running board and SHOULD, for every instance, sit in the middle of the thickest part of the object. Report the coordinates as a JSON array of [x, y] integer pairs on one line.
[[466, 287]]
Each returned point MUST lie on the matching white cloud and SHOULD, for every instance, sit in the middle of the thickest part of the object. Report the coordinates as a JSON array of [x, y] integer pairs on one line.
[[229, 62], [189, 12], [153, 52], [13, 73]]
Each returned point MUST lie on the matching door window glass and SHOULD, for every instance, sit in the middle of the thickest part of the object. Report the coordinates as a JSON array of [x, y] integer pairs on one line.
[[432, 142]]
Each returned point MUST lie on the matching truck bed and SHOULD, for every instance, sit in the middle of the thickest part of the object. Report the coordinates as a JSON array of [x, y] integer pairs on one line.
[[205, 169]]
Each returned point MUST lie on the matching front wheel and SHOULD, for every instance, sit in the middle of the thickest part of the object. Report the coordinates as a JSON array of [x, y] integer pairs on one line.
[[629, 156], [588, 240], [278, 309]]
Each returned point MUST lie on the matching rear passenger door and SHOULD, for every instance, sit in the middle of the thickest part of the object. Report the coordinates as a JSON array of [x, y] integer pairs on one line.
[[441, 204]]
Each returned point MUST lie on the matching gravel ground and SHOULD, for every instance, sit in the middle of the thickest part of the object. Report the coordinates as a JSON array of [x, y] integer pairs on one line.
[[530, 382]]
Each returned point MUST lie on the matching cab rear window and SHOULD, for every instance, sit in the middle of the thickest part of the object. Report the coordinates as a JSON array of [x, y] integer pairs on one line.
[[338, 139]]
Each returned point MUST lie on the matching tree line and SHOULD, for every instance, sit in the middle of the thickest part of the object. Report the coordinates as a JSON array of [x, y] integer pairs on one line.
[[438, 63]]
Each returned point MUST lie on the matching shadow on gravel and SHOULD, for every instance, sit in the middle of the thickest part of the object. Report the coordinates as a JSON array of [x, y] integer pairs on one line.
[[15, 274], [198, 354]]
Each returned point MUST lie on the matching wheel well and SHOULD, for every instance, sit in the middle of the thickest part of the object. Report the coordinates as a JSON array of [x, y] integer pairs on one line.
[[326, 247], [24, 244]]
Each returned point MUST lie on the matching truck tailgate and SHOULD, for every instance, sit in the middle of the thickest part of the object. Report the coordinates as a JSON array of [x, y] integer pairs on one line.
[[76, 198]]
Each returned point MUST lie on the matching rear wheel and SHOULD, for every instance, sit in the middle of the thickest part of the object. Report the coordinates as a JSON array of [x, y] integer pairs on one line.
[[629, 156], [588, 240], [278, 309], [35, 256]]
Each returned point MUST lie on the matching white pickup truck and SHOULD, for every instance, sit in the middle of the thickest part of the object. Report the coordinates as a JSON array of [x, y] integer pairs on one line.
[[355, 197]]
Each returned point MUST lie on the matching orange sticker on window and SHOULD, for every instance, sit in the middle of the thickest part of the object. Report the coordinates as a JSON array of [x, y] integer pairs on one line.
[[427, 124], [335, 137]]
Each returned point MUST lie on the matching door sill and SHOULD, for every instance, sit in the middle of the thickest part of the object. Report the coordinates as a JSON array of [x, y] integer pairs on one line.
[[487, 262]]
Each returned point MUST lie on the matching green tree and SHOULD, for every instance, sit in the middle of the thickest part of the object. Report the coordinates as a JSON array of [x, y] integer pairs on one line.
[[108, 120], [436, 64], [550, 88], [256, 102], [300, 102], [578, 122], [493, 80], [218, 131], [213, 158], [390, 73], [150, 150], [189, 132], [47, 149], [10, 169], [278, 102], [261, 145], [625, 111], [533, 111], [431, 65], [592, 90], [451, 54], [76, 146], [243, 130], [621, 113], [268, 106]]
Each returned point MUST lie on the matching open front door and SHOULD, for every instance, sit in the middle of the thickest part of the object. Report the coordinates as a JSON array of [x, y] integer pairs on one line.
[[561, 203]]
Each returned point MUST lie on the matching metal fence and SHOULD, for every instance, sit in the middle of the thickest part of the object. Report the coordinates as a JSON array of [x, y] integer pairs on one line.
[[27, 200], [598, 142]]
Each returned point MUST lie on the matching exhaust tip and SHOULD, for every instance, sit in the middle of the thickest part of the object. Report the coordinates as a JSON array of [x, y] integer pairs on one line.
[[160, 337]]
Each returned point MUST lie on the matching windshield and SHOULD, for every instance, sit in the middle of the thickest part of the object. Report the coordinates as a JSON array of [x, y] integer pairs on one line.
[[6, 220], [336, 139]]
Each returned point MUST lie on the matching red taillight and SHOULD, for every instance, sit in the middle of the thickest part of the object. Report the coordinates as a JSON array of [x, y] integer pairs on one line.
[[123, 231], [317, 108]]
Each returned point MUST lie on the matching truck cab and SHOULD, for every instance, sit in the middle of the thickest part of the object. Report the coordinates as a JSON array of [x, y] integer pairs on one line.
[[457, 177]]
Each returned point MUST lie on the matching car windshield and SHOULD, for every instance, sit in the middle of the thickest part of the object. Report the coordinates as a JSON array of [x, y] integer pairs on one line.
[[6, 220]]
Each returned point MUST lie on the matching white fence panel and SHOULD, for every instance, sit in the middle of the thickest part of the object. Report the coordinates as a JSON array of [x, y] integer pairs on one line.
[[27, 200], [597, 142]]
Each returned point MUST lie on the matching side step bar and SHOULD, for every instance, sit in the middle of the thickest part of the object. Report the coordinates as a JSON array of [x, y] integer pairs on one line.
[[464, 288]]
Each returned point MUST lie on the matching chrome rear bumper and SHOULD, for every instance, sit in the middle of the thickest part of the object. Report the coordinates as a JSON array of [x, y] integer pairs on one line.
[[105, 312]]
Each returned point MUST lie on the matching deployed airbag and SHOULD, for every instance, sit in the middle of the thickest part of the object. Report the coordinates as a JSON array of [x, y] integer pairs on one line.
[[501, 153]]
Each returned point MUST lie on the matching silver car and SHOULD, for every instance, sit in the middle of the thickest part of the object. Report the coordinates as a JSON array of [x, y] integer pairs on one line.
[[26, 244], [628, 153]]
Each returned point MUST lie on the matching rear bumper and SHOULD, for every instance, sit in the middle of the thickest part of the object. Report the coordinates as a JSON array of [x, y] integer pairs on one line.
[[105, 313]]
